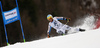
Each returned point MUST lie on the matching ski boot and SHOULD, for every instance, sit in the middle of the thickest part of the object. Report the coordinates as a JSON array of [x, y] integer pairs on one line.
[[82, 30]]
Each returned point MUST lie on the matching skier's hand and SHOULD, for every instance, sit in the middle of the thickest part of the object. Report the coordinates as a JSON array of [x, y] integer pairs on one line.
[[48, 36], [68, 19]]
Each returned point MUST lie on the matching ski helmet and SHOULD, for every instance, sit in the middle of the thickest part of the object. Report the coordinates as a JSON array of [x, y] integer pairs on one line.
[[49, 16]]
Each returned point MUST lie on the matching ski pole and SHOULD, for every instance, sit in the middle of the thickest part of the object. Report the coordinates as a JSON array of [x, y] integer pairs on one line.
[[67, 21]]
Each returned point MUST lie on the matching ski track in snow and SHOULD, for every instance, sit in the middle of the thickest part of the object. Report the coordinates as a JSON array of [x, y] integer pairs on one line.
[[87, 39]]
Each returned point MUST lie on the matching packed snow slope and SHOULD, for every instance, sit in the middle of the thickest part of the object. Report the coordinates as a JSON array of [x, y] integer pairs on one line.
[[87, 39]]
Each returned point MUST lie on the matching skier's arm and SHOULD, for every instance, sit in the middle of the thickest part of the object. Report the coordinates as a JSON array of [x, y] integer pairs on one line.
[[49, 30], [62, 18]]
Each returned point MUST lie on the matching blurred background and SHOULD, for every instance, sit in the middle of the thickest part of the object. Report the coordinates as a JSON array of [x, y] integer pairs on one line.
[[33, 14]]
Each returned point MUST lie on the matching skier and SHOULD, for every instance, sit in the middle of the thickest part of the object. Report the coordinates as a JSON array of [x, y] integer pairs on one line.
[[60, 28]]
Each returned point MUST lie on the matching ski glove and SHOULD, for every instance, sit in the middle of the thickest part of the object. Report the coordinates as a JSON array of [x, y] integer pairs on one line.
[[48, 35], [68, 19]]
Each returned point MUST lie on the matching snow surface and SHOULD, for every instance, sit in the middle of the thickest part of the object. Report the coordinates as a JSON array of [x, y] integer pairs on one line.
[[87, 39]]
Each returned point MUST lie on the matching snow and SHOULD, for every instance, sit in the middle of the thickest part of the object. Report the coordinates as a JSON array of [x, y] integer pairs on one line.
[[87, 39], [87, 22]]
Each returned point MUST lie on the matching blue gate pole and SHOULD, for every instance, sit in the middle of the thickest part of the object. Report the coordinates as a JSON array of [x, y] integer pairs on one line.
[[20, 21], [4, 24]]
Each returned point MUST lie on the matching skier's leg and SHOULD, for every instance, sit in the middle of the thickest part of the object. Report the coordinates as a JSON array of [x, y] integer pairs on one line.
[[61, 31], [75, 30], [66, 27], [72, 29]]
